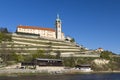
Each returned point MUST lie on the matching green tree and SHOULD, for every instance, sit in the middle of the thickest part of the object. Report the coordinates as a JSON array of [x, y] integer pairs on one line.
[[69, 61], [16, 57], [106, 55], [58, 54], [3, 30], [38, 54], [72, 40], [4, 52], [5, 37], [49, 48]]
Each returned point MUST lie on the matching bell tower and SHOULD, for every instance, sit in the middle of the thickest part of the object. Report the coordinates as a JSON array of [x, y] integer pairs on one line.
[[58, 28]]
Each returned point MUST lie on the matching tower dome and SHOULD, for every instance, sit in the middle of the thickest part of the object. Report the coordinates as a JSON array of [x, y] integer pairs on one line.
[[58, 19]]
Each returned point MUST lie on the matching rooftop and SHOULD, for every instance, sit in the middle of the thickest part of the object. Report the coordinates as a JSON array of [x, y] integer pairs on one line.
[[37, 28]]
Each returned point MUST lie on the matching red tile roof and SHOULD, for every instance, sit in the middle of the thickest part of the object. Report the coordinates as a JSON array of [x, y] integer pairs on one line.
[[34, 27]]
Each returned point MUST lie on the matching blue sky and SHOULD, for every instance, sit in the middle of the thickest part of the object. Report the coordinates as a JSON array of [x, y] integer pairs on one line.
[[93, 23]]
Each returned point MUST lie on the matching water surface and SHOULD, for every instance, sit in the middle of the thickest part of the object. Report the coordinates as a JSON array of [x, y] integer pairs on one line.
[[97, 76]]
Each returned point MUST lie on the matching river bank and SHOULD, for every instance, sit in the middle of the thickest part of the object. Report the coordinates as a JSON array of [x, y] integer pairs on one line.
[[7, 72]]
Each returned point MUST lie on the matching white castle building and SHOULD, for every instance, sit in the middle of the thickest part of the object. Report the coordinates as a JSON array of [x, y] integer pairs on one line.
[[44, 32]]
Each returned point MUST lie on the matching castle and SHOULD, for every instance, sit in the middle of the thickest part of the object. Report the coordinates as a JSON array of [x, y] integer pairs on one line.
[[44, 32]]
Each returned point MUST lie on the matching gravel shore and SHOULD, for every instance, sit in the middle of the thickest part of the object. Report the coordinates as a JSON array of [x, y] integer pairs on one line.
[[23, 71], [34, 71]]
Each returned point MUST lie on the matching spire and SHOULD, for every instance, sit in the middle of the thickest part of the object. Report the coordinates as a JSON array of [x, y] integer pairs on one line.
[[58, 16], [58, 19]]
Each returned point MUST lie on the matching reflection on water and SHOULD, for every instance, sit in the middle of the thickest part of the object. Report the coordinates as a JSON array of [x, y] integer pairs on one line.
[[107, 76]]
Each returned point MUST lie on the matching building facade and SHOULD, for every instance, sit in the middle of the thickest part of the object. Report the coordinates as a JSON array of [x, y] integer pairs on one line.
[[100, 49], [44, 32]]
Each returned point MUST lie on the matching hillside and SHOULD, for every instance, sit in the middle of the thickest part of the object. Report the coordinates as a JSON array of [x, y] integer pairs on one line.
[[24, 44], [24, 47]]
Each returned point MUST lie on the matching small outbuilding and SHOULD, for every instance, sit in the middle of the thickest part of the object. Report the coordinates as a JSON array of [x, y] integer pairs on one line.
[[43, 62], [84, 67], [48, 62]]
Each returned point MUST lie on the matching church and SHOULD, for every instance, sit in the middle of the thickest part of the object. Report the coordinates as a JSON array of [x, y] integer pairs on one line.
[[48, 33]]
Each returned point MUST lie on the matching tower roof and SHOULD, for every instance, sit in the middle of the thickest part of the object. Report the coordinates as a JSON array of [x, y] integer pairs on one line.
[[58, 19]]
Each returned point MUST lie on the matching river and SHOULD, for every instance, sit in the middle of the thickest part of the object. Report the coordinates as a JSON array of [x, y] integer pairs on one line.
[[93, 76]]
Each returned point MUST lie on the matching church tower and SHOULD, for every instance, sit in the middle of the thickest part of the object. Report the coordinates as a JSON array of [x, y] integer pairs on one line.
[[58, 28]]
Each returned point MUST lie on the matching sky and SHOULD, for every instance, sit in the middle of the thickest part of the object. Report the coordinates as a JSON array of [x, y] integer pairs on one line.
[[92, 23]]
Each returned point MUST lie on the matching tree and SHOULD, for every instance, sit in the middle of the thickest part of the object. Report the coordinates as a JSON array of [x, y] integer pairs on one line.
[[72, 40], [5, 37], [69, 61], [58, 54], [17, 57], [38, 54], [106, 55], [3, 30], [4, 52], [49, 48]]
